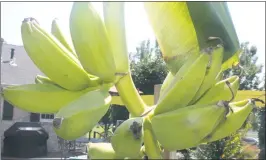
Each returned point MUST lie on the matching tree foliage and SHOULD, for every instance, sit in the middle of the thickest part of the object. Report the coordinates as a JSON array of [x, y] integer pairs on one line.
[[147, 67], [247, 70]]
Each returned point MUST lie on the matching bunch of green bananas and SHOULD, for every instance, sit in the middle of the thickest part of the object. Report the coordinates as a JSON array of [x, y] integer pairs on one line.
[[195, 104]]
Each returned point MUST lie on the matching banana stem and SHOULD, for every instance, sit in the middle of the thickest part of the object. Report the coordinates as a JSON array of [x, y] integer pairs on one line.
[[130, 96]]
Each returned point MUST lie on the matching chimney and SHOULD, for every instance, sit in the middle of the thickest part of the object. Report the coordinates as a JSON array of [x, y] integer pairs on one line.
[[12, 61], [12, 53]]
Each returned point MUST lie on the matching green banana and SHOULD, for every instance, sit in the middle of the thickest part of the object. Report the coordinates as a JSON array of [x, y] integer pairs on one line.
[[43, 80], [221, 91], [234, 120], [56, 31], [41, 98], [130, 132], [212, 71], [184, 86], [187, 126], [53, 59], [101, 151], [219, 76], [130, 96], [91, 41], [80, 116], [115, 25], [152, 148], [167, 81]]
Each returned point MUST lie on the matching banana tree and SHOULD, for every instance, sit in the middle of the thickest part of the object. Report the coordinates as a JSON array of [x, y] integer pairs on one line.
[[198, 41]]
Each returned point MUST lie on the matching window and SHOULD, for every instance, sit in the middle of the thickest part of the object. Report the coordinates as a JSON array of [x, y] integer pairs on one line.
[[7, 111], [47, 117]]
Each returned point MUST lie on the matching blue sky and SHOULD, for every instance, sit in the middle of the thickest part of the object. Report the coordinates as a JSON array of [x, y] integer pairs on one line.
[[248, 18]]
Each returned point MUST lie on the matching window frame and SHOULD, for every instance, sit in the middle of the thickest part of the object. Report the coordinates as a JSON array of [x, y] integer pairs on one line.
[[46, 117]]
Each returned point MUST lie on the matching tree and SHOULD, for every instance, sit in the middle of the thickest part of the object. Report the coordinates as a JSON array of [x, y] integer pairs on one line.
[[247, 70], [148, 67]]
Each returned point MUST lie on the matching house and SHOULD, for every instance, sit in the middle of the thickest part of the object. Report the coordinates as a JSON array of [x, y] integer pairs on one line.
[[17, 68]]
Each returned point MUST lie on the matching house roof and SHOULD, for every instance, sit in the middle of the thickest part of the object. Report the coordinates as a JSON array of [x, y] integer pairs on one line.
[[25, 71]]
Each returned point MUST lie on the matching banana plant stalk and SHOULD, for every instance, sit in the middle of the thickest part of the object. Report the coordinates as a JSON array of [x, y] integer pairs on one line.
[[115, 25]]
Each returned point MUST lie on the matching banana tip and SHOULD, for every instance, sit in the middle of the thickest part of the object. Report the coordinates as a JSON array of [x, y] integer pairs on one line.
[[29, 19], [57, 122]]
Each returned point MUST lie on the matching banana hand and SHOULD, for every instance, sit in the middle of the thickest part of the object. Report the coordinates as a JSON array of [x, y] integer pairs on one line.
[[234, 120], [52, 58]]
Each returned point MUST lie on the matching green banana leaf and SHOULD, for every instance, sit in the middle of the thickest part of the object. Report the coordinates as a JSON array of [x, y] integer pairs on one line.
[[183, 28], [217, 22]]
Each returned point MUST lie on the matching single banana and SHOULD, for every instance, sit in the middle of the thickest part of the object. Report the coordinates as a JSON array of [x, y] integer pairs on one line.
[[42, 79], [219, 76], [41, 98], [167, 81], [53, 59], [152, 147], [101, 151], [130, 96], [129, 133], [80, 116], [223, 90], [184, 86], [56, 31], [212, 71], [187, 126], [114, 20], [234, 120], [91, 41]]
